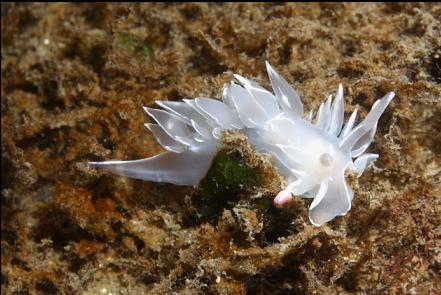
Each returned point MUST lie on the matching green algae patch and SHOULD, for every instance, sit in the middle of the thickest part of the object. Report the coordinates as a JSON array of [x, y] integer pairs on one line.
[[227, 179], [229, 174], [134, 44]]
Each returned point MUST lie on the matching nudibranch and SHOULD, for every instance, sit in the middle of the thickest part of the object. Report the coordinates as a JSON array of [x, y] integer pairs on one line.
[[312, 154]]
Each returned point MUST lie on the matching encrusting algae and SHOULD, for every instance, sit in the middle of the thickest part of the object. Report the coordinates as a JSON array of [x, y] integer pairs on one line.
[[72, 93]]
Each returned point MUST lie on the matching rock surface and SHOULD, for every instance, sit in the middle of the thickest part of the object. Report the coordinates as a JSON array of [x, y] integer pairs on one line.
[[74, 78]]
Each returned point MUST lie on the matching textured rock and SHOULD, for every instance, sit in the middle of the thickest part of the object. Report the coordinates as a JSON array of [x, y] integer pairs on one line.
[[74, 78]]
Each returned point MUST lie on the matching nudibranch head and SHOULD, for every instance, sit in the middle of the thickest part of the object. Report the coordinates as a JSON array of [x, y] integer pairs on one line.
[[312, 154], [321, 152]]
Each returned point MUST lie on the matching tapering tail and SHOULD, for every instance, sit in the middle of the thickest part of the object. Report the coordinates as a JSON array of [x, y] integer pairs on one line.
[[185, 168]]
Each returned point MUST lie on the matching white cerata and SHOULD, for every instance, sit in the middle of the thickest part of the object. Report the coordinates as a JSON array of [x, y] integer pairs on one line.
[[312, 154]]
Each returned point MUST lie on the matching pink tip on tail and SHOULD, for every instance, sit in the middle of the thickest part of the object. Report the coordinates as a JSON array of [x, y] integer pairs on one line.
[[282, 199]]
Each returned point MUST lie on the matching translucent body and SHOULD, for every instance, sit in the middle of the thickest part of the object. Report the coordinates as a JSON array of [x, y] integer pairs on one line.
[[311, 156]]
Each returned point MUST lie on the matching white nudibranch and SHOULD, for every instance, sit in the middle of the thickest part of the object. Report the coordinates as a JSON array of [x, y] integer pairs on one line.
[[312, 155]]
